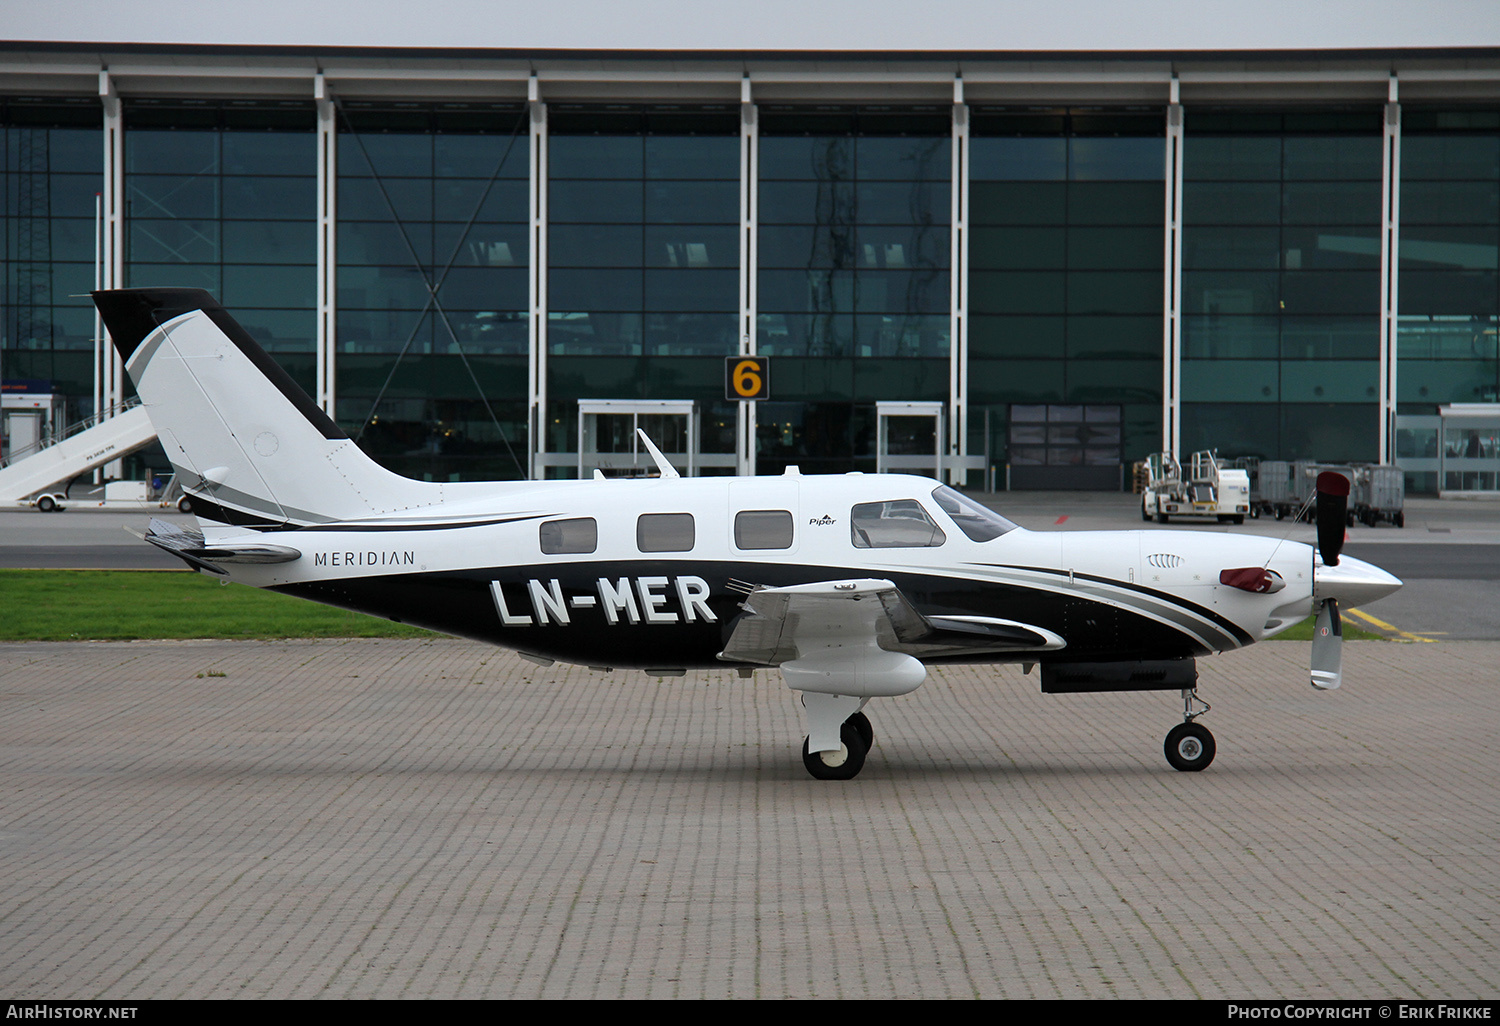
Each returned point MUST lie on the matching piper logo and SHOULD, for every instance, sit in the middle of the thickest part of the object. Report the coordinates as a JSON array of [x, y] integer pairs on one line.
[[626, 600], [823, 521]]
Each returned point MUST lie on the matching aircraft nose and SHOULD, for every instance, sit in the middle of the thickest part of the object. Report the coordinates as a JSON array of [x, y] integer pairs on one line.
[[1353, 582]]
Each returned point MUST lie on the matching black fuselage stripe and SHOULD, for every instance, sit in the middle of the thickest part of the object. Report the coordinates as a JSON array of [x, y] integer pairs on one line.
[[461, 602], [1217, 619]]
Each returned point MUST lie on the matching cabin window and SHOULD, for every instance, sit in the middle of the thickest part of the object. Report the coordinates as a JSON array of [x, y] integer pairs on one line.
[[763, 529], [979, 522], [664, 532], [896, 524], [570, 536]]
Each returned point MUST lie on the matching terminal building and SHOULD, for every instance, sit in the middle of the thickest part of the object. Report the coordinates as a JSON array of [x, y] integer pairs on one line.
[[1011, 267]]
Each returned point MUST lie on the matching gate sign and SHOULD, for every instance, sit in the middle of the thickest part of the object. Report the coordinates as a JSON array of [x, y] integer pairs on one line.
[[747, 377]]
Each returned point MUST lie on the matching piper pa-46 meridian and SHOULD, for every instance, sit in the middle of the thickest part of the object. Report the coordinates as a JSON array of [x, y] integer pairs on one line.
[[850, 585]]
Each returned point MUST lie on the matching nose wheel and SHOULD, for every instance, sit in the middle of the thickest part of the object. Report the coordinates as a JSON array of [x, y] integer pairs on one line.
[[1189, 746]]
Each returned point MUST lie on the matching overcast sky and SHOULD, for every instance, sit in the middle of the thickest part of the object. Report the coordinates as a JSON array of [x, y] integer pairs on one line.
[[766, 24]]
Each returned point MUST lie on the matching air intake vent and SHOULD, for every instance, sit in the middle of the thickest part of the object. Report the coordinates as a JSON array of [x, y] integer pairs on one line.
[[1164, 560]]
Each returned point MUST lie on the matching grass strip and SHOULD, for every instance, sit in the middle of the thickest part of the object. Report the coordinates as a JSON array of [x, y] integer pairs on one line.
[[124, 605]]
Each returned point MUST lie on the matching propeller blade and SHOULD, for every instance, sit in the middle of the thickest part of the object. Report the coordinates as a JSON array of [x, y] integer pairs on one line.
[[1328, 648], [1333, 513]]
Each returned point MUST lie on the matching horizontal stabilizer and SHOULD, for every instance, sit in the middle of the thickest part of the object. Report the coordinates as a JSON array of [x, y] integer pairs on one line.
[[187, 544]]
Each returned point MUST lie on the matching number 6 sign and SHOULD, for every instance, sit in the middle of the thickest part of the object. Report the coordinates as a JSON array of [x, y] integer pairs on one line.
[[747, 377]]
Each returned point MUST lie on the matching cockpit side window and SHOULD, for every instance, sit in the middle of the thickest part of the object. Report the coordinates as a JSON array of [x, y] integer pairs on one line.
[[894, 524], [979, 522]]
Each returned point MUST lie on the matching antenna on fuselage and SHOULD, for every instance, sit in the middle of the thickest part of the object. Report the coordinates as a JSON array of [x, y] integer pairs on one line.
[[667, 470]]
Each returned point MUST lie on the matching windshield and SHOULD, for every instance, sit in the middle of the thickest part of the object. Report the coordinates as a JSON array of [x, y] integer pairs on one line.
[[979, 522]]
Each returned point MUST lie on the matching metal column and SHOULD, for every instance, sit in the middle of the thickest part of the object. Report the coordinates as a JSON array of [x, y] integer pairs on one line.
[[327, 335], [110, 373], [744, 446], [1390, 239], [537, 328], [958, 275], [1171, 359]]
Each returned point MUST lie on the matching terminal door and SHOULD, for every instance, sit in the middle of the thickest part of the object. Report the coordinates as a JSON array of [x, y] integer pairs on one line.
[[607, 439], [910, 438]]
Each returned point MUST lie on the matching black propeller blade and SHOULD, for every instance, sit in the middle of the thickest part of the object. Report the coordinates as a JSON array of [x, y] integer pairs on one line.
[[1333, 513]]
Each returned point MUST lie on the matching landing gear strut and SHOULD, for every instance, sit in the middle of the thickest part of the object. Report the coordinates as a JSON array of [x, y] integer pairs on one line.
[[1189, 746]]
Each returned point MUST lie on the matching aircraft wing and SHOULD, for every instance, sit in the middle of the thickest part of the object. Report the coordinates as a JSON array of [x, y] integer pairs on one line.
[[188, 545], [806, 620]]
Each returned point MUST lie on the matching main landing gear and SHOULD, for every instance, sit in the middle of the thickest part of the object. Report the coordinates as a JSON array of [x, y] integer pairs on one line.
[[1189, 746], [856, 737]]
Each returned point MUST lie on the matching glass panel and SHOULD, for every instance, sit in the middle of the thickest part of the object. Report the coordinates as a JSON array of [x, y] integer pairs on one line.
[[1019, 159], [693, 157], [1119, 159]]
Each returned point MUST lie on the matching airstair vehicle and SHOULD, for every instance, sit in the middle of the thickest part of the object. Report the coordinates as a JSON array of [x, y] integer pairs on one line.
[[1208, 489], [29, 476]]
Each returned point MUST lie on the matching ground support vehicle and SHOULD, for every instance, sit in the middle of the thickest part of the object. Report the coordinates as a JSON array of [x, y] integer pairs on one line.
[[1207, 489]]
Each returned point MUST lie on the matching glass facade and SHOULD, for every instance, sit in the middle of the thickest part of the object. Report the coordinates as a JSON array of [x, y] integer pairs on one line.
[[1066, 259], [853, 275], [223, 197], [1449, 259], [1281, 283], [50, 177], [433, 300], [643, 253], [648, 213]]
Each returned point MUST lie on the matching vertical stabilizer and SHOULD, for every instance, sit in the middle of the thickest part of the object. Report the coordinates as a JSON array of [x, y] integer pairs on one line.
[[251, 448]]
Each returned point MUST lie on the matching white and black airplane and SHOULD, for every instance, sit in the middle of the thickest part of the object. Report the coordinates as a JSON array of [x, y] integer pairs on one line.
[[849, 584]]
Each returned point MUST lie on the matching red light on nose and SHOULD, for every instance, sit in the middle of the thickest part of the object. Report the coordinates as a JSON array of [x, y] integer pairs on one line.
[[1253, 578]]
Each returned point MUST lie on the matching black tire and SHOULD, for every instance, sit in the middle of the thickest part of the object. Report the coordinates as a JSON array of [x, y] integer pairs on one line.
[[1189, 747], [1161, 518], [1145, 513], [1400, 520], [861, 724], [1237, 519], [184, 505], [46, 504], [1280, 513], [850, 758]]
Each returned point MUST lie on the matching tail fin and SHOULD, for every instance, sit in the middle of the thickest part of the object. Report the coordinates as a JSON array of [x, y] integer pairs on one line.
[[251, 448]]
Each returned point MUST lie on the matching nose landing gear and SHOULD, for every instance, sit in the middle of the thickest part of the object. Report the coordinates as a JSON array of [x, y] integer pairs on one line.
[[1189, 746]]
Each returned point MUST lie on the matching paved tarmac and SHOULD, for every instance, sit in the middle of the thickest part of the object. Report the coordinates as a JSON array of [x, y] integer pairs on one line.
[[397, 819]]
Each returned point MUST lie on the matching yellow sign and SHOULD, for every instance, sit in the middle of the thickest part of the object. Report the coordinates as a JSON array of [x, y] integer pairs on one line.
[[747, 377]]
